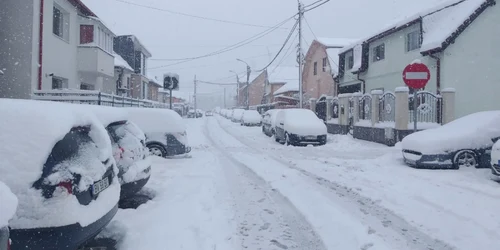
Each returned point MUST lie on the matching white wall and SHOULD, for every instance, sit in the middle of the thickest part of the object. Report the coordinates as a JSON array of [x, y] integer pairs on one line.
[[472, 66]]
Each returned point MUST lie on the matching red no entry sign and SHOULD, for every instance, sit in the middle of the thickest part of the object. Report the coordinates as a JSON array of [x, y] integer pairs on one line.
[[416, 75]]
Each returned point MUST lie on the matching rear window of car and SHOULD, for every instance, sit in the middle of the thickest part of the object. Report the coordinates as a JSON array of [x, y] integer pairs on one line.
[[117, 131]]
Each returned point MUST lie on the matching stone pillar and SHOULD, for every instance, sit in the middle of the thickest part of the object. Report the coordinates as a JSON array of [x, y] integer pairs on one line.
[[402, 112], [375, 105], [344, 109], [312, 103], [355, 112], [329, 106], [448, 113]]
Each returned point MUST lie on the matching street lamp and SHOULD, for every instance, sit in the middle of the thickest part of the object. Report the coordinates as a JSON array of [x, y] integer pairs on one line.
[[237, 88], [248, 79]]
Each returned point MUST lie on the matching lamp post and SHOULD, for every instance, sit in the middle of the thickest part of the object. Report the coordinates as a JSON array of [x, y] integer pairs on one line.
[[248, 79], [237, 88]]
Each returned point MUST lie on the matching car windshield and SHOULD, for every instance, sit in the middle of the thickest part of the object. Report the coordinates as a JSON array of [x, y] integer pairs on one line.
[[250, 124]]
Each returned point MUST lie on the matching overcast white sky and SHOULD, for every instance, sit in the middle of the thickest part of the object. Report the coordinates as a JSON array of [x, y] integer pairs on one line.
[[171, 36]]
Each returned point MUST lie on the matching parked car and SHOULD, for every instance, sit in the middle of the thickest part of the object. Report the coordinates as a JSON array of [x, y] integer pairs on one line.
[[191, 113], [251, 118], [236, 115], [199, 113], [495, 158], [129, 149], [299, 127], [165, 130], [8, 205], [209, 113], [465, 142], [269, 122], [59, 164]]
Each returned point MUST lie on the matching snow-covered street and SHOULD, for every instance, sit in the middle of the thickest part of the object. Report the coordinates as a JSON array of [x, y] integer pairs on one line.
[[239, 189]]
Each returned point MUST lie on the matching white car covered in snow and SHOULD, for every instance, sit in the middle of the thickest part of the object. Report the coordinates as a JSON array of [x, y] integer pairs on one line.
[[465, 142], [165, 130], [236, 115], [495, 158], [58, 161], [299, 127], [269, 122], [8, 205], [251, 118]]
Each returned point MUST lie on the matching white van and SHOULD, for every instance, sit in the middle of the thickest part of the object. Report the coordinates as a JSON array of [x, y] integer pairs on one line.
[[164, 128]]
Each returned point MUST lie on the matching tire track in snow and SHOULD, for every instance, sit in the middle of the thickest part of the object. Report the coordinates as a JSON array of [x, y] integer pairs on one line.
[[384, 221], [261, 204]]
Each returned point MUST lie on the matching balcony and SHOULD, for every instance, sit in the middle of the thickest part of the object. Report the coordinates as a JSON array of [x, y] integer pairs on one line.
[[94, 60]]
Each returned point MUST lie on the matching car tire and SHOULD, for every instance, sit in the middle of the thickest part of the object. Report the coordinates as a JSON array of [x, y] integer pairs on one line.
[[276, 138], [465, 159], [157, 150]]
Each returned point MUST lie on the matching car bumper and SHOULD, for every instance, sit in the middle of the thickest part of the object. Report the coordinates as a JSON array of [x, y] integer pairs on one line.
[[68, 237], [417, 160], [305, 140], [131, 188], [495, 169]]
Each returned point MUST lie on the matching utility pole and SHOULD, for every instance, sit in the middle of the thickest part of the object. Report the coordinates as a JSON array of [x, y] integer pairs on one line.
[[195, 107], [248, 87], [300, 57]]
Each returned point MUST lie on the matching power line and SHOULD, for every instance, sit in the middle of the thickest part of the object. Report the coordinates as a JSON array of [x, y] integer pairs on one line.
[[217, 83], [190, 15], [218, 63], [282, 47], [314, 7], [286, 55]]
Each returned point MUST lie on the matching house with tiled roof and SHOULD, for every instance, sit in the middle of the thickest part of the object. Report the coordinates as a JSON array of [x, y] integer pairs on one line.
[[457, 39]]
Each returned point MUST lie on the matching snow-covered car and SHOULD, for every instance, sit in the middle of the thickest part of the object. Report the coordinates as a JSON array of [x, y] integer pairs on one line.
[[8, 205], [58, 161], [495, 158], [251, 118], [465, 142], [209, 113], [165, 130], [191, 113], [269, 122], [299, 127], [236, 115], [199, 113]]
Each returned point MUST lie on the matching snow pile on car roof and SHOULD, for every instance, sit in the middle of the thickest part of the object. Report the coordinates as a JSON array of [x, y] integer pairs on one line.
[[470, 132], [30, 129], [303, 122], [106, 114], [252, 116], [156, 120], [8, 205]]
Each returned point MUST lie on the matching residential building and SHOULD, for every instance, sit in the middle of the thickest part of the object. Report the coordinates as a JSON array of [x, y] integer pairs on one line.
[[257, 89], [123, 75], [320, 67], [135, 54], [288, 94], [457, 40], [255, 93], [153, 88], [58, 45]]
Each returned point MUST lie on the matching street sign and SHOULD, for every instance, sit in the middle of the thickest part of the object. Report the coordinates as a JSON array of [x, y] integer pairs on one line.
[[416, 75], [171, 81]]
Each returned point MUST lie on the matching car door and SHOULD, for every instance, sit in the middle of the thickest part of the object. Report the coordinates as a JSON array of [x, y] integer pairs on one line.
[[280, 122]]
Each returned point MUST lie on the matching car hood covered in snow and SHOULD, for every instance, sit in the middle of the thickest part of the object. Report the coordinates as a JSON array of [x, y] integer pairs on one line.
[[157, 120], [30, 129], [252, 116], [470, 132], [303, 122], [8, 205]]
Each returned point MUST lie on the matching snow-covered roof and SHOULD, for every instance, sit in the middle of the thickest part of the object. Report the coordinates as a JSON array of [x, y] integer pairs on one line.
[[335, 42], [154, 80], [120, 62], [138, 44], [287, 75], [439, 23]]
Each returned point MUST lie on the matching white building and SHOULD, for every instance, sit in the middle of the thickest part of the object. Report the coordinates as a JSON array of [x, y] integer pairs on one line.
[[458, 40], [60, 45]]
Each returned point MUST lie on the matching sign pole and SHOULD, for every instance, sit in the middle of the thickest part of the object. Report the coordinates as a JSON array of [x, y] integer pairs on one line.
[[415, 106], [416, 75], [170, 98]]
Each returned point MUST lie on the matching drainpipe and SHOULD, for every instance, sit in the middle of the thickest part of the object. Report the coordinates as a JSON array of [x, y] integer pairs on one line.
[[438, 72], [363, 86], [40, 47]]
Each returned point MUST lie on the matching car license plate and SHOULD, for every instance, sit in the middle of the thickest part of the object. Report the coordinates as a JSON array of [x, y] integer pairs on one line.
[[100, 186], [311, 137]]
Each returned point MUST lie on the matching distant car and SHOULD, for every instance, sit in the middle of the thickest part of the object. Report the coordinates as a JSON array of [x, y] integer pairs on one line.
[[299, 127], [269, 122], [209, 113], [165, 130], [8, 205], [463, 143], [199, 113], [251, 118], [236, 115], [191, 113], [66, 182]]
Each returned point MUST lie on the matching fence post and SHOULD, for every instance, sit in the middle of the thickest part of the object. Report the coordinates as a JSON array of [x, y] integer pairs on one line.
[[312, 103], [113, 100], [402, 112], [355, 110], [99, 98], [376, 105], [448, 99], [344, 109], [329, 105]]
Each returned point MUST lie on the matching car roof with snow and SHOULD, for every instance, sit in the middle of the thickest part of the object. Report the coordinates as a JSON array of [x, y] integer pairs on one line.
[[107, 114], [152, 120], [8, 205], [299, 114], [469, 132]]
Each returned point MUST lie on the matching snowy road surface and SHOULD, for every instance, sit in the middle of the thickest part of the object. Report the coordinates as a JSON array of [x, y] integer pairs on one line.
[[241, 190]]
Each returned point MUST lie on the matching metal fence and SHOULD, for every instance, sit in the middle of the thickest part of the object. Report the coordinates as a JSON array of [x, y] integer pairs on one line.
[[335, 108], [429, 107], [387, 107], [94, 98], [365, 107]]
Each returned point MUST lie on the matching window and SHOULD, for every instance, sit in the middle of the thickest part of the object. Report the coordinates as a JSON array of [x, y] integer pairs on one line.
[[325, 64], [86, 86], [315, 69], [59, 83], [60, 25], [349, 61], [86, 34], [379, 53], [413, 40]]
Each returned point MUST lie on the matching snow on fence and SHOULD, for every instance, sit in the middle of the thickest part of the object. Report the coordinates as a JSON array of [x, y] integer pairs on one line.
[[429, 107], [94, 98], [387, 107]]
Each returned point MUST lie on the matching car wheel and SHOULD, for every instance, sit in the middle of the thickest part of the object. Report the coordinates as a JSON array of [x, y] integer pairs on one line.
[[276, 138], [157, 150], [465, 159]]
